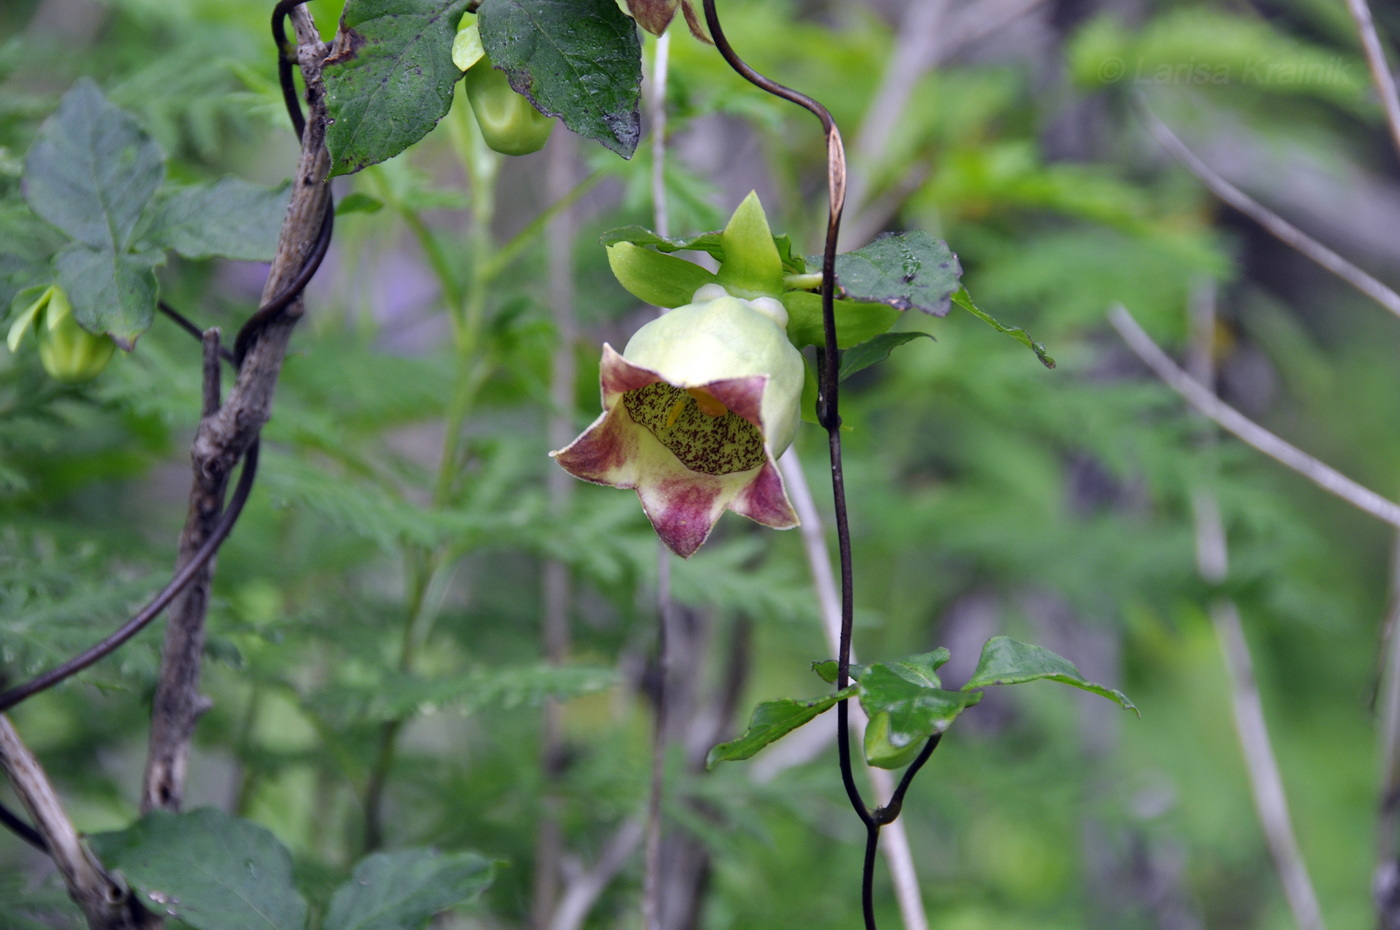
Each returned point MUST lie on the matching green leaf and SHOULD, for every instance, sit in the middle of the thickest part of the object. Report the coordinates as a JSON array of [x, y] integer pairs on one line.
[[771, 721], [873, 352], [963, 299], [579, 60], [660, 280], [826, 668], [402, 890], [922, 669], [27, 247], [208, 870], [906, 271], [391, 80], [1007, 662], [92, 170], [906, 705], [855, 322], [750, 266], [358, 202], [113, 293], [230, 218]]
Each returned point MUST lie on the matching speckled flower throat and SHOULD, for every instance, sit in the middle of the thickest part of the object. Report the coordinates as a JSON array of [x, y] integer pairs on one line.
[[700, 431]]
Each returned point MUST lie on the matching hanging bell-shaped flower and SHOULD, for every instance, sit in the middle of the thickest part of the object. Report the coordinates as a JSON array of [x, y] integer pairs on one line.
[[695, 411]]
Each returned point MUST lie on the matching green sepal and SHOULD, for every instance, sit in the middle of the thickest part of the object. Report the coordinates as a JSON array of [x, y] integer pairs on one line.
[[751, 266], [657, 279], [22, 320], [467, 49], [711, 243]]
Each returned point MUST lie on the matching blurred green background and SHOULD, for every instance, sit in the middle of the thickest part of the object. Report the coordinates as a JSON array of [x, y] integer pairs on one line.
[[378, 625]]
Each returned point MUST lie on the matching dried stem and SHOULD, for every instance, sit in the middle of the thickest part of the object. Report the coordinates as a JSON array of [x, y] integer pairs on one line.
[[583, 888], [1386, 881], [226, 435], [1212, 561], [1281, 229], [652, 878], [1380, 71], [104, 899], [556, 582], [1205, 400]]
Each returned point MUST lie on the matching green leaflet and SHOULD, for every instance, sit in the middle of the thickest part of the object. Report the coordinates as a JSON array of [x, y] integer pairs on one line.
[[208, 870], [391, 81], [579, 60]]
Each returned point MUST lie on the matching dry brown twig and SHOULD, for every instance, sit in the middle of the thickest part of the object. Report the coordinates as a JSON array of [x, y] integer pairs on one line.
[[1276, 225], [225, 434]]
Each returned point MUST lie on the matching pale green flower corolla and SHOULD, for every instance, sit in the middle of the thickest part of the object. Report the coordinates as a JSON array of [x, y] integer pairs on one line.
[[696, 410]]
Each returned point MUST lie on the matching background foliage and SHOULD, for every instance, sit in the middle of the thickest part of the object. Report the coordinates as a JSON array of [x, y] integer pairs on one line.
[[376, 627]]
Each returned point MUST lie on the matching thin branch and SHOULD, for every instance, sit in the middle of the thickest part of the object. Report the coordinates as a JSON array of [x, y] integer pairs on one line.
[[1380, 70], [660, 215], [1212, 560], [104, 899], [929, 32], [1281, 229], [1204, 400], [583, 889], [665, 608], [1265, 781], [1385, 884], [556, 583]]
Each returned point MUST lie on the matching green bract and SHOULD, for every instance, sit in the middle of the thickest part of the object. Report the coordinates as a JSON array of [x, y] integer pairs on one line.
[[67, 351]]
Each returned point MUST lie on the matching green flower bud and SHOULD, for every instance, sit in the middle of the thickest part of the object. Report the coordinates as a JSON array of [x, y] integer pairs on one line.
[[68, 352], [509, 123]]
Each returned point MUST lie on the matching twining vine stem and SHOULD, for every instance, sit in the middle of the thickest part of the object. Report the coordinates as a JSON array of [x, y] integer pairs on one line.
[[829, 416]]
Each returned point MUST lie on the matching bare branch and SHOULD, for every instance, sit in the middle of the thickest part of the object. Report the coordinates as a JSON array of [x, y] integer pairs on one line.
[[104, 899], [1280, 228], [556, 584], [225, 436], [1204, 400], [582, 888], [1380, 71], [1212, 560]]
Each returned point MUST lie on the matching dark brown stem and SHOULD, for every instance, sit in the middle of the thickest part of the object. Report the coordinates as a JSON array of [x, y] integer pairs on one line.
[[226, 435]]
